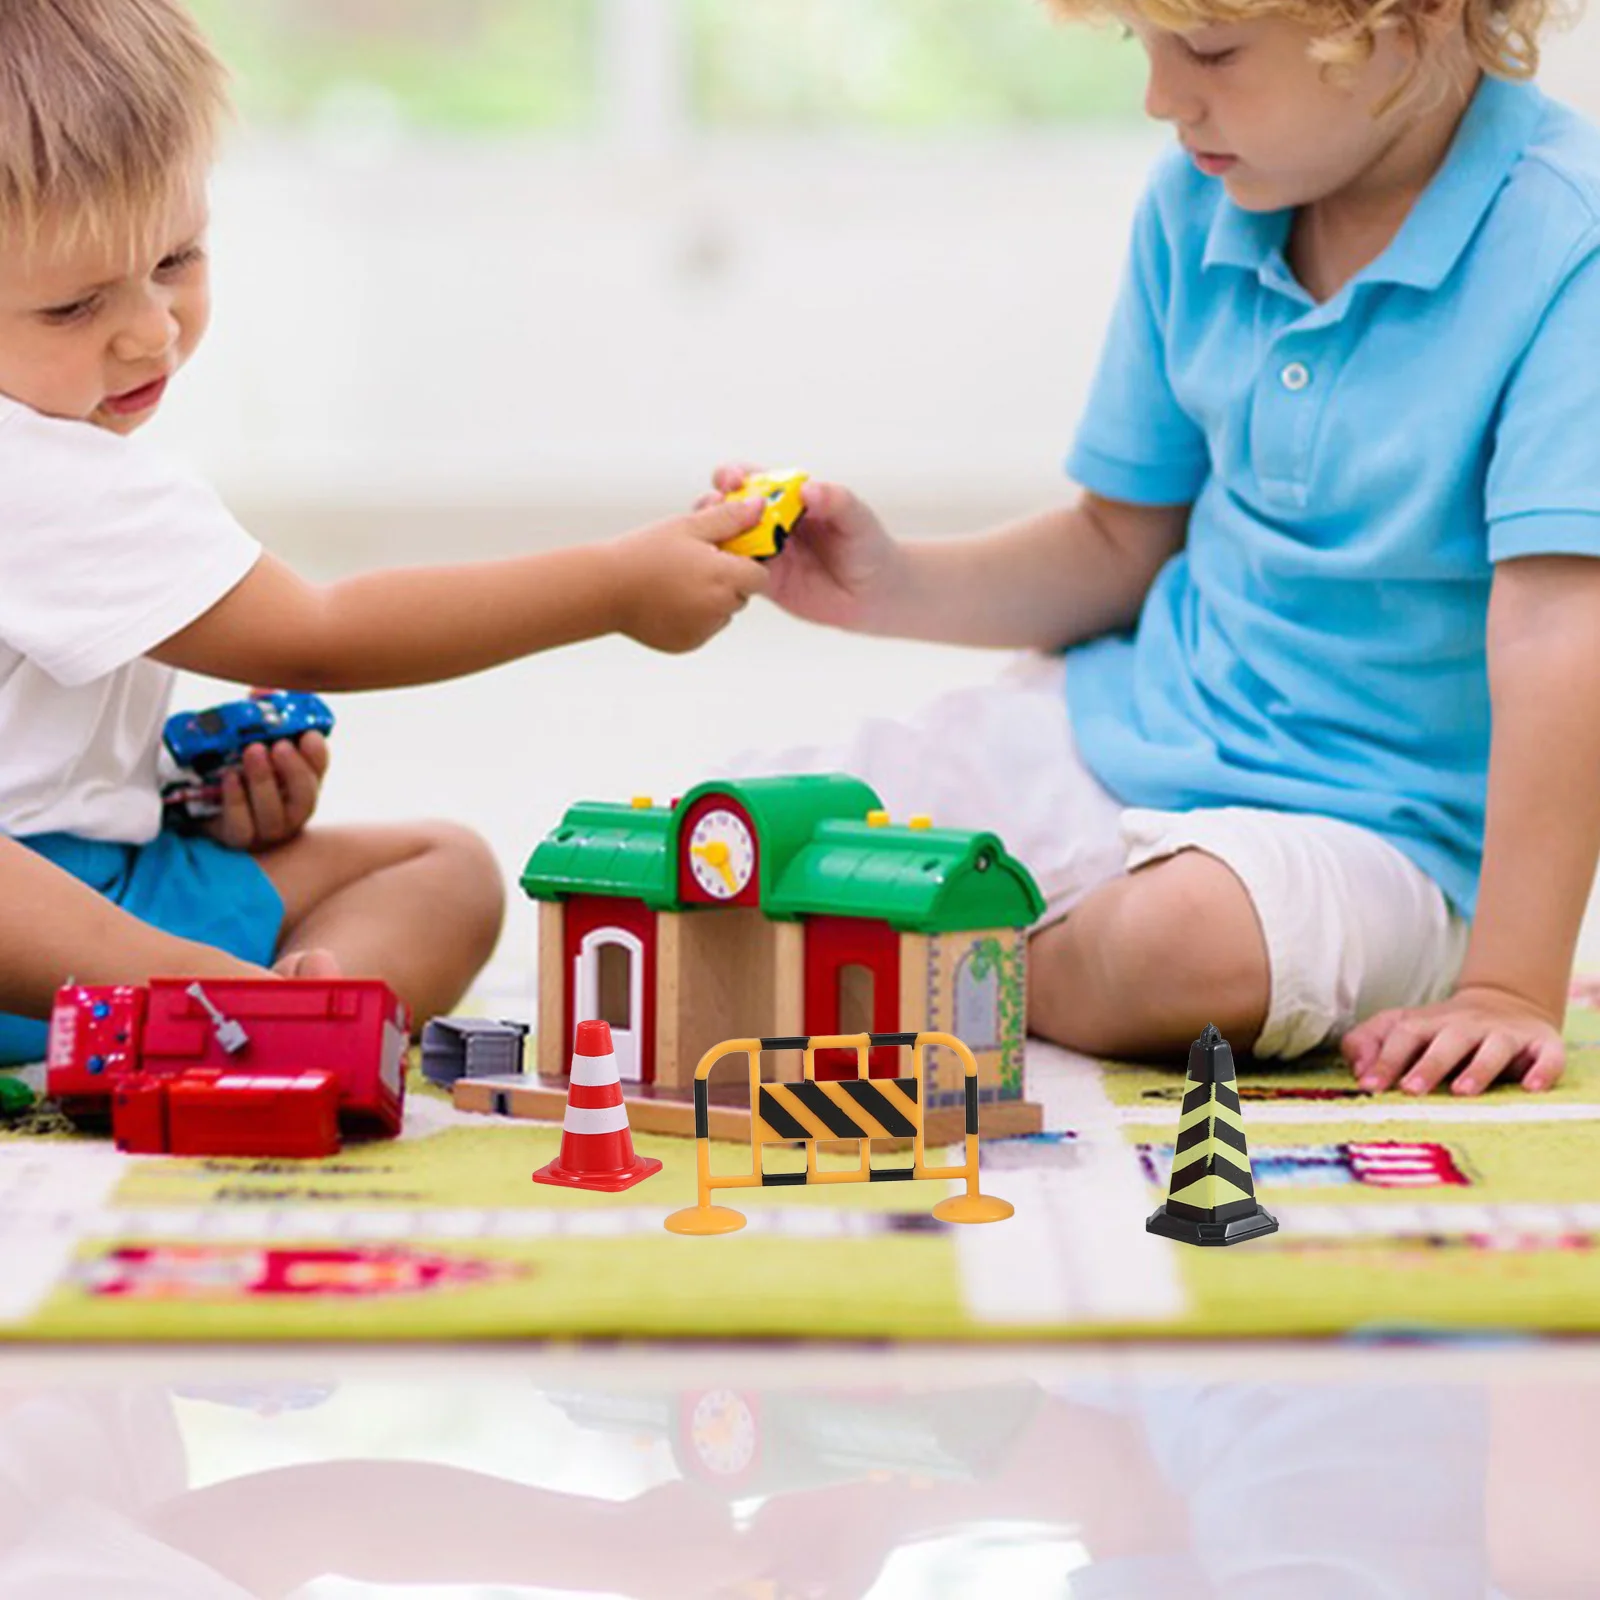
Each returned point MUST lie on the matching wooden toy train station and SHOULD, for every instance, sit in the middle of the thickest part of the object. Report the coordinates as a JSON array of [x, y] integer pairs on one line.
[[768, 907]]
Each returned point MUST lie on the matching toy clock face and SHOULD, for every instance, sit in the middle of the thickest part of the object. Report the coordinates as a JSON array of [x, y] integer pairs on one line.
[[722, 855]]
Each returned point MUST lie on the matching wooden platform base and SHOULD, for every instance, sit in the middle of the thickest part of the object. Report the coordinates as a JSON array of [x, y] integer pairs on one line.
[[652, 1110]]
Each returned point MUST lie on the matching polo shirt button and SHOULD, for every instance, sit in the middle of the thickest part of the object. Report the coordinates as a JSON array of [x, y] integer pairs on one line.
[[1296, 376]]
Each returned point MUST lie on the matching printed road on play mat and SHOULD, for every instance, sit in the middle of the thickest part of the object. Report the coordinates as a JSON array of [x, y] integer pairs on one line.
[[1396, 1215]]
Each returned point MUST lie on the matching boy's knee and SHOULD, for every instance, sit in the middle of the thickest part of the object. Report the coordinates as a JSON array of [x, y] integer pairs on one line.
[[468, 867], [1143, 964]]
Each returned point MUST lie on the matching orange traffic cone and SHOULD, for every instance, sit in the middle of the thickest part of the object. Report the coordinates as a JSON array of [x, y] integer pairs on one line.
[[596, 1146]]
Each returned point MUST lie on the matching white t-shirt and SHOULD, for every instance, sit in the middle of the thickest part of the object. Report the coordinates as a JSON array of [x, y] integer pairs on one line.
[[107, 548]]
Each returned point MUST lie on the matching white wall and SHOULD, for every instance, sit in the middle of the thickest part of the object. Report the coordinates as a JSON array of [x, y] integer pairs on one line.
[[537, 328], [1572, 62], [538, 337]]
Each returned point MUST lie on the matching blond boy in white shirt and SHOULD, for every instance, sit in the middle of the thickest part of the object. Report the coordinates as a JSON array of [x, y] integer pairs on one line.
[[117, 568]]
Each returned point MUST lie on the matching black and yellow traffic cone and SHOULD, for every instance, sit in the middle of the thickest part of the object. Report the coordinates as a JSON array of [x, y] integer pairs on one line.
[[1211, 1197]]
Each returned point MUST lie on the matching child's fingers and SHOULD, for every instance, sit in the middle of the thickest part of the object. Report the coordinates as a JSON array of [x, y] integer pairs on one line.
[[749, 577], [725, 520], [1404, 1041], [233, 825], [265, 796], [731, 474], [825, 501], [1360, 1044], [1549, 1062], [1364, 1050], [317, 752], [1489, 1061], [298, 784], [1449, 1046]]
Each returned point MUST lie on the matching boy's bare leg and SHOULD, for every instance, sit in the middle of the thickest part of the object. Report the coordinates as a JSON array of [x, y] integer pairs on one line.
[[416, 904], [1144, 963]]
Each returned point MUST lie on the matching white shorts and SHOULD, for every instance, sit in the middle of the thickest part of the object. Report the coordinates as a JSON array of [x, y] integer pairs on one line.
[[1352, 926]]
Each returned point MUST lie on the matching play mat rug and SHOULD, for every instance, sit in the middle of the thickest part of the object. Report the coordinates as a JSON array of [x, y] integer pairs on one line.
[[1397, 1216]]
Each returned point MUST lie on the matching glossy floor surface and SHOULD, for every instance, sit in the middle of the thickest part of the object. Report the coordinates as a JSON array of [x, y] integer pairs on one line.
[[748, 1474]]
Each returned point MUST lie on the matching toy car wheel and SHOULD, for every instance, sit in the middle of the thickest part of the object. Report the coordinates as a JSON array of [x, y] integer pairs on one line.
[[782, 536], [209, 768]]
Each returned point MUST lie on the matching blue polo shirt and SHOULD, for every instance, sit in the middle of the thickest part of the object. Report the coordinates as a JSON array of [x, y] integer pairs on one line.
[[1355, 469]]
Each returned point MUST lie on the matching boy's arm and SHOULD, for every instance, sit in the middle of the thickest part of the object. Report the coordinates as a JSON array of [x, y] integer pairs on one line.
[[1543, 833], [1046, 582], [52, 928], [1540, 846], [667, 586]]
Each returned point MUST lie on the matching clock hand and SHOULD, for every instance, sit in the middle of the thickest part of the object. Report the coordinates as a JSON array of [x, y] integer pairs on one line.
[[716, 855]]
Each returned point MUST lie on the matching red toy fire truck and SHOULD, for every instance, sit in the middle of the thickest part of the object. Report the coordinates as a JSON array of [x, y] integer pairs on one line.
[[353, 1029], [227, 1114]]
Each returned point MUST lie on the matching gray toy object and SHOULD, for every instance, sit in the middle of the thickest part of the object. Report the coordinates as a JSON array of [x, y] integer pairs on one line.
[[471, 1047]]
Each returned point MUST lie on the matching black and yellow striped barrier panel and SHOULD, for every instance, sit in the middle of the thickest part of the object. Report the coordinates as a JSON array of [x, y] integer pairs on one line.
[[1211, 1196], [860, 1108]]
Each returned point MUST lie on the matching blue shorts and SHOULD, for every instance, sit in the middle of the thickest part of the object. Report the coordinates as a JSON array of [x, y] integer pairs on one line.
[[191, 887]]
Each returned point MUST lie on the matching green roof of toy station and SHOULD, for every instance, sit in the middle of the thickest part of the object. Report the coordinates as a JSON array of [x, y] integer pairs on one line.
[[920, 880], [818, 855], [603, 848]]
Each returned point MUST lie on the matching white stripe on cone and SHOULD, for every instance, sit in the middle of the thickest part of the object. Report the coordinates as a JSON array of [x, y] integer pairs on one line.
[[598, 1119], [595, 1072]]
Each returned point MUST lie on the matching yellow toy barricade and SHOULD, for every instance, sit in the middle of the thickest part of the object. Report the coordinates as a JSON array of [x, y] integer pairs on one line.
[[860, 1108]]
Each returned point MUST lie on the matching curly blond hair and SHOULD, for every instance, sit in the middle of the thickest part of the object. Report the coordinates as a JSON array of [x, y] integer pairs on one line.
[[107, 107], [1503, 35]]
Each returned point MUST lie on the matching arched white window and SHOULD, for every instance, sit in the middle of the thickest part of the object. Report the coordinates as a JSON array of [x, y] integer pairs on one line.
[[977, 1018]]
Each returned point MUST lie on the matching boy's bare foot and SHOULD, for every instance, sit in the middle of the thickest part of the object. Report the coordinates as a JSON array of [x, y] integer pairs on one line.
[[309, 964]]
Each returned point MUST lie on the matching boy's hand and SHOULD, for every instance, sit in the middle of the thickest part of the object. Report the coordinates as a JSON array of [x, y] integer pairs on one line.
[[1484, 1032], [676, 588], [271, 795], [839, 567]]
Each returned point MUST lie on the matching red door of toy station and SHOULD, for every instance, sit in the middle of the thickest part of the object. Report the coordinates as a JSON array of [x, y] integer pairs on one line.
[[610, 976], [852, 986]]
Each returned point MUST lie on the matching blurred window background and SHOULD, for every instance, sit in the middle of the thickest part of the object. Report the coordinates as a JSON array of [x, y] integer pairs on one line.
[[450, 66], [541, 262], [558, 66], [902, 64]]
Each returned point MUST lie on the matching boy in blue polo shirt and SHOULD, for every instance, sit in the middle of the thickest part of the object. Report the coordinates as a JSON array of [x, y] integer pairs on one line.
[[1342, 492]]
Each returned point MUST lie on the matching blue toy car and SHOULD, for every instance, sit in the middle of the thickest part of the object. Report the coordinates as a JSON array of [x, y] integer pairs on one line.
[[206, 742]]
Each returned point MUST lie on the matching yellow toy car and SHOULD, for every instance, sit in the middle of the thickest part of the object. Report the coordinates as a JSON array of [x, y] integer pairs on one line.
[[785, 508]]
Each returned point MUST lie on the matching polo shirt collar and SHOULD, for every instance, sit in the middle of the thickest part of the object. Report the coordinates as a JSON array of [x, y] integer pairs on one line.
[[1494, 133], [1247, 239]]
